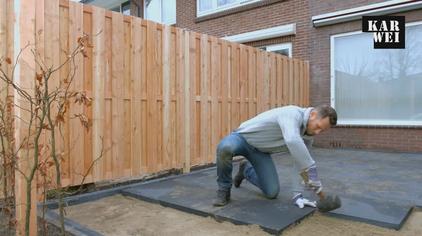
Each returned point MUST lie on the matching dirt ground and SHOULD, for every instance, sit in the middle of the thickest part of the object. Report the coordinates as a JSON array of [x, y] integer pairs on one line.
[[120, 215]]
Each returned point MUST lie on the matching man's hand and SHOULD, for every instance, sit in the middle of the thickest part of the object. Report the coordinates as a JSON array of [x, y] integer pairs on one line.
[[301, 202], [311, 180]]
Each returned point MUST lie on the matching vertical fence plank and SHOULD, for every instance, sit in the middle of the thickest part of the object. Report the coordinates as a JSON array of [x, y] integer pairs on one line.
[[39, 42], [158, 98], [243, 83], [195, 59], [98, 23], [166, 94], [64, 79], [25, 25], [178, 125], [205, 53], [117, 94], [152, 124], [108, 114], [126, 98], [235, 86], [251, 81], [173, 148], [144, 101], [296, 79], [279, 64], [291, 82], [215, 81], [188, 102], [306, 85], [225, 125], [76, 141], [196, 91], [273, 81], [260, 81], [136, 96], [88, 63], [267, 81], [3, 35], [7, 32], [4, 88], [40, 47], [52, 60]]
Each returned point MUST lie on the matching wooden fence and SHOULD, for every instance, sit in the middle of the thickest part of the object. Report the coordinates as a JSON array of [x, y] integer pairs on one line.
[[163, 97]]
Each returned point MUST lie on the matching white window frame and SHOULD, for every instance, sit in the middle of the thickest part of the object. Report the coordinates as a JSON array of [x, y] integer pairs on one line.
[[273, 32], [161, 13], [222, 8], [276, 47], [365, 122]]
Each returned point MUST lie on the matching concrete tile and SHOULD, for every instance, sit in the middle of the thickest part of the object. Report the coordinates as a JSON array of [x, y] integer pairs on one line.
[[195, 194]]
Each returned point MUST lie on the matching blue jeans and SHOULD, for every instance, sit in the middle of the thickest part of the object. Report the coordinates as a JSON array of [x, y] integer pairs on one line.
[[260, 170]]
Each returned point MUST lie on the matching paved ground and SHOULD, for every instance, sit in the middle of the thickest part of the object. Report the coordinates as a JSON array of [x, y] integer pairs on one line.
[[377, 188]]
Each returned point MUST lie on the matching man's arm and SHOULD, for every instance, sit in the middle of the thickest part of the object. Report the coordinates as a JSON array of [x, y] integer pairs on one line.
[[290, 127], [309, 141], [304, 164]]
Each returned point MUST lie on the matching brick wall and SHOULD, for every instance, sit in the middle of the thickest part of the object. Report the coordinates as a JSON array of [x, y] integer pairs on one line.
[[260, 17], [378, 138], [311, 44]]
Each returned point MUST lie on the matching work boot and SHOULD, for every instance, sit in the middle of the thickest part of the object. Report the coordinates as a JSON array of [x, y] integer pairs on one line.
[[223, 197], [240, 176]]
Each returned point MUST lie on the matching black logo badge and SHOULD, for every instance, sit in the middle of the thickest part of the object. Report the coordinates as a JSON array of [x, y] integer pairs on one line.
[[388, 30]]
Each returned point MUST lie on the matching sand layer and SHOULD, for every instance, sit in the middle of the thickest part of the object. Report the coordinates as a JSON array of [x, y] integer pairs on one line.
[[120, 215]]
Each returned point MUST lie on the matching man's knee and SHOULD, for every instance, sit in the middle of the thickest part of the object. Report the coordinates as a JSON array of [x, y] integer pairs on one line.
[[272, 192], [225, 150]]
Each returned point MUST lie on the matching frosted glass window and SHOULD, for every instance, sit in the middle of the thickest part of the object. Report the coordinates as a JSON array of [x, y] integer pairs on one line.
[[377, 86], [225, 2], [211, 6], [205, 5], [169, 11], [153, 10], [283, 49], [161, 11]]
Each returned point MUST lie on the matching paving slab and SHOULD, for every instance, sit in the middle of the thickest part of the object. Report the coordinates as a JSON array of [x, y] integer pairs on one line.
[[375, 187], [381, 212], [194, 193]]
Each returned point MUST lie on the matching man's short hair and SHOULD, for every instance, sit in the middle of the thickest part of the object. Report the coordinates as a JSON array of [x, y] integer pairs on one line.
[[327, 111]]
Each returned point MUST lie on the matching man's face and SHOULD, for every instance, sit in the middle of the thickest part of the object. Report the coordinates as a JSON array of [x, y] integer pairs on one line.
[[316, 125]]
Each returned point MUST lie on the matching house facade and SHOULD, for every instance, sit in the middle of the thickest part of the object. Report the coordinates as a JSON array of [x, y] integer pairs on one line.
[[376, 92]]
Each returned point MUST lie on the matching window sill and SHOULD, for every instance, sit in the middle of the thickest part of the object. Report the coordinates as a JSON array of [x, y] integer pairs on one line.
[[380, 126], [239, 9]]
